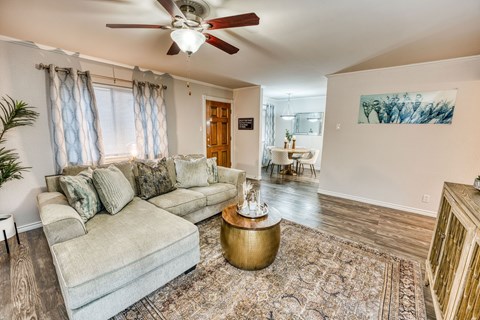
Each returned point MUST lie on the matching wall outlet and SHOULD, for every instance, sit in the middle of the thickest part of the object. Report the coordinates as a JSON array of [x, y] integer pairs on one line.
[[426, 198]]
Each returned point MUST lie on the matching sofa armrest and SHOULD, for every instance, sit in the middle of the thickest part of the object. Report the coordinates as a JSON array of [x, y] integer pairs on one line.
[[60, 221], [233, 176]]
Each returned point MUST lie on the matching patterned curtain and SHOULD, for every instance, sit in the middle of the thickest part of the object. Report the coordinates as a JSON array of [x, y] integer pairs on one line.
[[76, 133], [269, 132], [150, 120]]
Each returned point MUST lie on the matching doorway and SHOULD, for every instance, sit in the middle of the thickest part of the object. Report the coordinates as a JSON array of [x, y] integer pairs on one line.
[[218, 124]]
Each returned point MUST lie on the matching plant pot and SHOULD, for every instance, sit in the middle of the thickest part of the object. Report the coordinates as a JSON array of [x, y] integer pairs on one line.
[[476, 184]]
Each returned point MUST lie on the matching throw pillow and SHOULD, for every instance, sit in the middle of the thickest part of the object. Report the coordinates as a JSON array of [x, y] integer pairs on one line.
[[153, 180], [191, 173], [212, 170], [81, 194], [113, 188]]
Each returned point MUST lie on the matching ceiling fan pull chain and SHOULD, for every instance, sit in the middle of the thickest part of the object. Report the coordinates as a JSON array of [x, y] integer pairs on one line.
[[188, 75]]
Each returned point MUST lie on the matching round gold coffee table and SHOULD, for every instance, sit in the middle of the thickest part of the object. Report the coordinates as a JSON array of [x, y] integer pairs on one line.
[[250, 244]]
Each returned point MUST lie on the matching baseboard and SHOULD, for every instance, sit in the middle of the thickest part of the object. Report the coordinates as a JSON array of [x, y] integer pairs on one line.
[[30, 226], [379, 203]]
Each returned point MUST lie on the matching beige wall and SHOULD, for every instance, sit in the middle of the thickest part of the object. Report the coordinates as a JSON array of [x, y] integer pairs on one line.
[[247, 143], [22, 81], [186, 115], [395, 165]]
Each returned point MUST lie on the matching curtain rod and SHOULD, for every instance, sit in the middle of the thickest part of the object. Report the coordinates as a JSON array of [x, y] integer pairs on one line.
[[41, 66]]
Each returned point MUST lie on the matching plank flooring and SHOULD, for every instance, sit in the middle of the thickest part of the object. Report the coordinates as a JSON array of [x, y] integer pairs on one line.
[[29, 288]]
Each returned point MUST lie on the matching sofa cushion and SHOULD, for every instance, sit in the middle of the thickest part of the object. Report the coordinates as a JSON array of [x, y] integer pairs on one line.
[[118, 249], [180, 201], [217, 193], [81, 194], [125, 166], [113, 188], [212, 170], [191, 173], [153, 180]]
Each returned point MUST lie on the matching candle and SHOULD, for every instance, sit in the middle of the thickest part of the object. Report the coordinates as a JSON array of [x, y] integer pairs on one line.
[[286, 140], [294, 138]]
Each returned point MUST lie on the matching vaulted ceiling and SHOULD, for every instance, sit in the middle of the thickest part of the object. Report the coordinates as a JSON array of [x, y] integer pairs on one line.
[[296, 44]]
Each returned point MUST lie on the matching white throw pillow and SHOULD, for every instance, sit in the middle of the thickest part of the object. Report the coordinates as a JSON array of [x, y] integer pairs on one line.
[[191, 173]]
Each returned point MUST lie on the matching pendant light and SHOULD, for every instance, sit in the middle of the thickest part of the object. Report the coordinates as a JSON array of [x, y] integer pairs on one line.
[[288, 114]]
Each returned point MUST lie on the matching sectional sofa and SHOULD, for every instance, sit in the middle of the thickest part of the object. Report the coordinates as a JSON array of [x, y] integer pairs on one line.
[[111, 261]]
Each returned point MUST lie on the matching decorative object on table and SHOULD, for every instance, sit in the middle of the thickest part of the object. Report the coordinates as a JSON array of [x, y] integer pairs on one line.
[[245, 123], [308, 261], [434, 107], [294, 139], [251, 205], [476, 183], [288, 114], [9, 229], [288, 139], [14, 114]]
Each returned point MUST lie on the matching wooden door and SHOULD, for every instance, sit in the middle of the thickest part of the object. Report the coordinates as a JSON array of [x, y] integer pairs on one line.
[[218, 131]]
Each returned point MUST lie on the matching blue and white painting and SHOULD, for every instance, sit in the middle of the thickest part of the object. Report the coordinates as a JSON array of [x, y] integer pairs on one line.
[[435, 107]]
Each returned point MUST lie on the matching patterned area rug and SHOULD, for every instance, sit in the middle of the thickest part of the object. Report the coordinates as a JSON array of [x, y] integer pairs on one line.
[[315, 276]]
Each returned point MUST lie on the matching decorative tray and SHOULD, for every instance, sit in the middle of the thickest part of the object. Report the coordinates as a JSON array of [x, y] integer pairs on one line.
[[260, 211]]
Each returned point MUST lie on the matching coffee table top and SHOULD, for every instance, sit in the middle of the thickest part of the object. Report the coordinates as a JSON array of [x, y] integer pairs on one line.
[[230, 216]]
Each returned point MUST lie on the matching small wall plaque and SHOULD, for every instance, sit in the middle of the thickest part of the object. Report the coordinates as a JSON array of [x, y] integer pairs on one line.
[[245, 123]]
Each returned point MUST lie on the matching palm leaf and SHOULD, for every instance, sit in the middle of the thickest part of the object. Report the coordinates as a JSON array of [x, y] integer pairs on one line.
[[13, 113]]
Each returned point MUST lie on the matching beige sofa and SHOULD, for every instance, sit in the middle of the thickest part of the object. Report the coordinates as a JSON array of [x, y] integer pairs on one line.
[[112, 261]]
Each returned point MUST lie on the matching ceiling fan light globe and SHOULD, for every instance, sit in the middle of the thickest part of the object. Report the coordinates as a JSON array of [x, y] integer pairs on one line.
[[189, 41]]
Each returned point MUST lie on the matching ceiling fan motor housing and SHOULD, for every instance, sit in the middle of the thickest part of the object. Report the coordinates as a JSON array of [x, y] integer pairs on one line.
[[193, 8]]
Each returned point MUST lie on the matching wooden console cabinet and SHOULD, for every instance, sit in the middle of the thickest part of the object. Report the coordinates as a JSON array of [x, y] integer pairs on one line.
[[453, 263]]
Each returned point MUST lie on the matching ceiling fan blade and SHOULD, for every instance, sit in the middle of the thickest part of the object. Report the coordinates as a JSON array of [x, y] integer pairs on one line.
[[220, 44], [172, 8], [137, 26], [174, 49], [241, 20]]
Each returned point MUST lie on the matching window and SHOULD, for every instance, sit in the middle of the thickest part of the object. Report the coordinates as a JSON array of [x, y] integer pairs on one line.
[[117, 119]]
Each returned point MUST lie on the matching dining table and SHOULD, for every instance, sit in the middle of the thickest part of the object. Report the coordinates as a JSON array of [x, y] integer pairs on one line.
[[291, 152]]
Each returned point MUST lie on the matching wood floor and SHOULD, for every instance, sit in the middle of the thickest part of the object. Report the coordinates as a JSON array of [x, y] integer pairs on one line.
[[29, 287]]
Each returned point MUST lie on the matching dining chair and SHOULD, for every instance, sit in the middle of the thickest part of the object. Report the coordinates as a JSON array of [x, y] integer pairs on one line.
[[310, 161], [296, 156], [269, 150], [280, 158]]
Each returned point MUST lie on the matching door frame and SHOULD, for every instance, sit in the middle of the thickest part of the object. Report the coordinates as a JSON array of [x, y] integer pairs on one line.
[[232, 124]]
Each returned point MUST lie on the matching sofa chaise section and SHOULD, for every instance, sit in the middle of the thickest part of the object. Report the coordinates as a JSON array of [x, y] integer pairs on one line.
[[118, 251]]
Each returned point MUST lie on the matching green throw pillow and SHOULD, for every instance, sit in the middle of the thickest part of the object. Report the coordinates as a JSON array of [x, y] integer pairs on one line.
[[113, 188], [81, 194], [212, 170], [191, 173], [153, 180]]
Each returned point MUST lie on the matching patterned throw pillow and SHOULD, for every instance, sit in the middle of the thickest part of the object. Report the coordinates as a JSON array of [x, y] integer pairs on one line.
[[113, 188], [81, 194], [153, 180], [191, 173], [212, 170]]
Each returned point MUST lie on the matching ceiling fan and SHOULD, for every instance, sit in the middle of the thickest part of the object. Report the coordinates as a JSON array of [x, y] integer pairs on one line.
[[188, 26]]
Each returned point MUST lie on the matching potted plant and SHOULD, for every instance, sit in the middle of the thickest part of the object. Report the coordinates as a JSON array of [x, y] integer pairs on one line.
[[476, 183], [13, 113]]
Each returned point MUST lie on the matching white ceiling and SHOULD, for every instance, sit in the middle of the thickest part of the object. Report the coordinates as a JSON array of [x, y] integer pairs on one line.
[[296, 44]]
